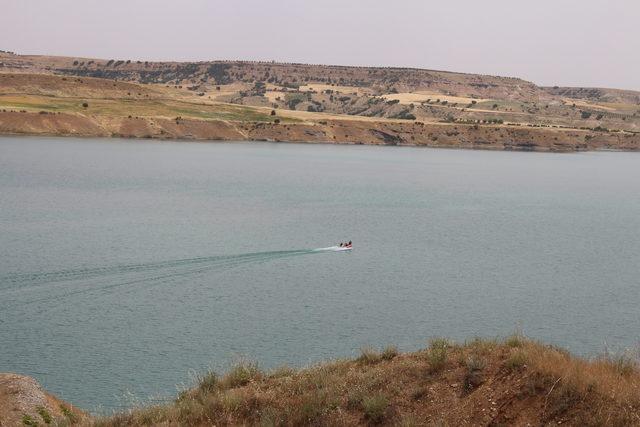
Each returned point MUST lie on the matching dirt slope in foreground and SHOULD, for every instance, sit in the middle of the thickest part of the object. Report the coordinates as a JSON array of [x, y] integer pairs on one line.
[[516, 382]]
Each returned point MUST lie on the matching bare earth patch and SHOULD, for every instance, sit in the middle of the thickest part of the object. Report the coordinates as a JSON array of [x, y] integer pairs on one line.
[[22, 400]]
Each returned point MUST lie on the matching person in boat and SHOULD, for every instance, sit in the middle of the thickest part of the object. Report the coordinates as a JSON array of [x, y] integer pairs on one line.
[[349, 244], [341, 244]]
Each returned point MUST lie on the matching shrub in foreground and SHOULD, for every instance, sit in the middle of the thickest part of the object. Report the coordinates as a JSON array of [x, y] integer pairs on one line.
[[437, 354]]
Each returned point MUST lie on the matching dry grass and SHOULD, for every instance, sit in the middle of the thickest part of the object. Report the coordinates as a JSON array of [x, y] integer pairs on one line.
[[445, 384], [610, 386], [370, 355]]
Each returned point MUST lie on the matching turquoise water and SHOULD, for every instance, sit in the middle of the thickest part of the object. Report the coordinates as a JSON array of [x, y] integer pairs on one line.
[[125, 266]]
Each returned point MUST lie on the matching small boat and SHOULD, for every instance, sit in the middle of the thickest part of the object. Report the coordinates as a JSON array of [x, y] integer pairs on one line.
[[336, 248], [342, 248]]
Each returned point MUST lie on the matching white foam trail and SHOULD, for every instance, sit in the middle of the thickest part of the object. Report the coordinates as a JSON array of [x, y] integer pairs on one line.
[[332, 249]]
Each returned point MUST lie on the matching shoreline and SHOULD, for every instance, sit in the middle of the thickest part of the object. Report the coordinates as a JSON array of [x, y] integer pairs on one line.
[[253, 141], [331, 132]]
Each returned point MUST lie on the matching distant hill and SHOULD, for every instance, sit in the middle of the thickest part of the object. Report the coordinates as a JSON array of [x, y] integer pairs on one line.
[[512, 113], [597, 94], [379, 79]]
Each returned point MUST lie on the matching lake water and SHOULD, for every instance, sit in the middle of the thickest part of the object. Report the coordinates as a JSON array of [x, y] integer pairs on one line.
[[125, 266]]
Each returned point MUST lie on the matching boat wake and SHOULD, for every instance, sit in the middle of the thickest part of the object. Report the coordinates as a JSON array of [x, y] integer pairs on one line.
[[85, 273], [48, 286]]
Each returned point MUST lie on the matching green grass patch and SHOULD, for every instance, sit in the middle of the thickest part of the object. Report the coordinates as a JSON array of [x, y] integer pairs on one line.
[[437, 354], [389, 352], [61, 106], [624, 364], [45, 415], [517, 360], [281, 372], [375, 407], [240, 374], [514, 341], [28, 420], [72, 417], [139, 107], [473, 377], [208, 382], [224, 113], [369, 355]]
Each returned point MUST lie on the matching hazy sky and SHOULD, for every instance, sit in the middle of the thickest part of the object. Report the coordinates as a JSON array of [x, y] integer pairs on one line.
[[563, 42]]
